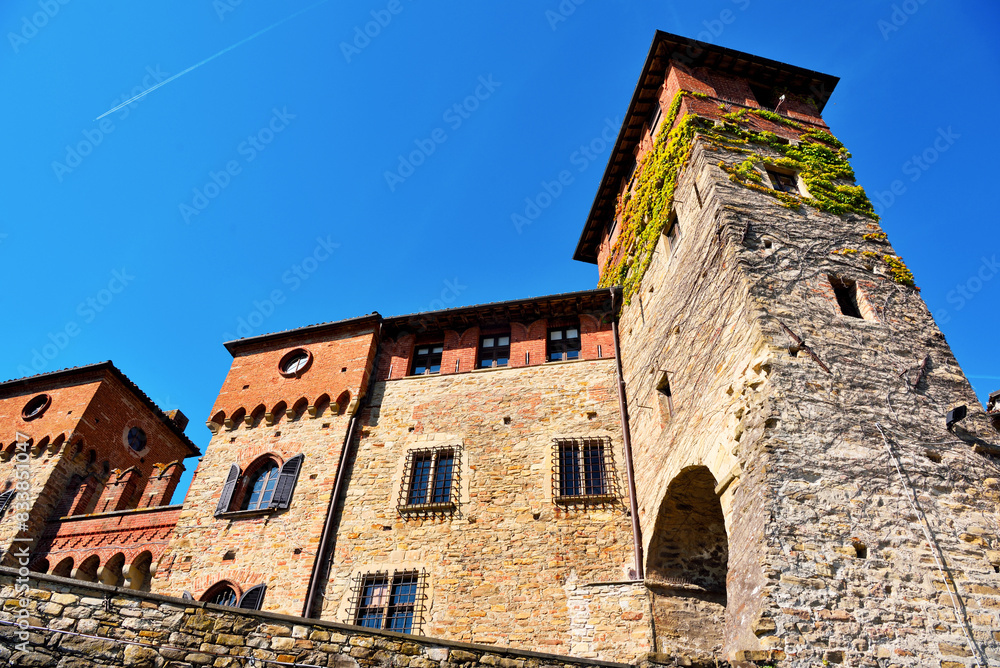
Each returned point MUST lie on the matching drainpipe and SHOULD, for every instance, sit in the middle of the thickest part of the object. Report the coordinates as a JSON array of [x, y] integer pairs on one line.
[[616, 306], [323, 553]]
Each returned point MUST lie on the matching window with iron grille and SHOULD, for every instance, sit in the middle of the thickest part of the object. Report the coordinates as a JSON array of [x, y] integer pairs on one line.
[[563, 343], [583, 471], [494, 350], [393, 602], [430, 481]]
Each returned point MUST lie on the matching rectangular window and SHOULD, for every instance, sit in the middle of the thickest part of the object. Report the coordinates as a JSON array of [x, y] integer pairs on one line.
[[583, 471], [494, 350], [430, 482], [427, 359], [654, 118], [393, 603], [847, 296], [563, 344], [786, 183]]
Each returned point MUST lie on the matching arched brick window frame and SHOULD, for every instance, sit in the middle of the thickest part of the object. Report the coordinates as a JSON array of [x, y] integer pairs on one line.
[[238, 489], [222, 589]]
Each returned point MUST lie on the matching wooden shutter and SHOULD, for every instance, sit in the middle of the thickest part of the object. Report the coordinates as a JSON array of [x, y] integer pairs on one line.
[[286, 482], [228, 489], [5, 500], [253, 598]]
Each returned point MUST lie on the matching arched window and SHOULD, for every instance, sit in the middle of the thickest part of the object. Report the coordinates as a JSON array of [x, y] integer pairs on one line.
[[222, 593], [260, 490]]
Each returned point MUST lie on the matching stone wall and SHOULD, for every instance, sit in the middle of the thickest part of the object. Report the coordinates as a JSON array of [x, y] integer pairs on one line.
[[780, 396], [73, 624], [508, 564]]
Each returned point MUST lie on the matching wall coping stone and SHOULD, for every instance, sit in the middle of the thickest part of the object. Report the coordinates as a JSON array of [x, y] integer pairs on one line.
[[10, 575], [114, 513]]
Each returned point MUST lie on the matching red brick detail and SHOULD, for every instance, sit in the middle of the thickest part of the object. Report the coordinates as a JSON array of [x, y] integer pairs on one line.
[[161, 484], [119, 492], [254, 378]]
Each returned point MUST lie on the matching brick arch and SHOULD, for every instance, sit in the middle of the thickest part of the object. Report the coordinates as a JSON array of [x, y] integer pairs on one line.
[[243, 578], [138, 570], [216, 588], [219, 418], [257, 414], [236, 419], [64, 568], [470, 337], [277, 413], [299, 408], [110, 572], [320, 405], [589, 323], [38, 449], [87, 570], [343, 401], [58, 444]]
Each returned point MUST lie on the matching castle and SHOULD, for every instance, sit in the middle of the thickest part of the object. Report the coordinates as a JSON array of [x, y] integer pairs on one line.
[[750, 443]]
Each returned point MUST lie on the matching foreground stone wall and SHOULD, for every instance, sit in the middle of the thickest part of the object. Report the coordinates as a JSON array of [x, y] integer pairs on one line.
[[76, 624], [508, 565]]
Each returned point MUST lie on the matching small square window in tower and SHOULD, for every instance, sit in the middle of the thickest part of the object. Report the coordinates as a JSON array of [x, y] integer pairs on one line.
[[783, 181], [655, 116], [583, 471], [672, 233], [494, 350], [563, 344], [389, 602], [664, 397], [427, 358], [846, 292], [430, 482]]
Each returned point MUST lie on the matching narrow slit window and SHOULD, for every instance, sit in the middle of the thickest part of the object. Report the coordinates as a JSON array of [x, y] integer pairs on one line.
[[665, 397], [654, 118], [847, 296], [673, 233]]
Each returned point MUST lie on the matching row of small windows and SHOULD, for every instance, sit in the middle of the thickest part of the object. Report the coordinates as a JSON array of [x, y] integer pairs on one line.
[[583, 473], [562, 343]]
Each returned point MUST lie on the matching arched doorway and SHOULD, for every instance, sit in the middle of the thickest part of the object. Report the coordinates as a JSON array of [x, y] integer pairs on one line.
[[687, 565]]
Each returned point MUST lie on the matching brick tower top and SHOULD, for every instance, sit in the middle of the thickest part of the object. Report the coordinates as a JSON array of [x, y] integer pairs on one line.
[[676, 63]]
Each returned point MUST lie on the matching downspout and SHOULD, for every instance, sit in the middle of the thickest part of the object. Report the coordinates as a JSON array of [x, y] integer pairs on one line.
[[323, 554], [616, 306]]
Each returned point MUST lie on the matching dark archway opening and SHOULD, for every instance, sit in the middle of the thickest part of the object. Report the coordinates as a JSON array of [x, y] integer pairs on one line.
[[687, 566]]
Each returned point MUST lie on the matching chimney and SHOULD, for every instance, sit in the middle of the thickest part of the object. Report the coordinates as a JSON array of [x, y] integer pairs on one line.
[[178, 419]]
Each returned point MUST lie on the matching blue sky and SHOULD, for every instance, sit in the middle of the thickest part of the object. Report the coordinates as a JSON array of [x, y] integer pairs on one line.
[[251, 194]]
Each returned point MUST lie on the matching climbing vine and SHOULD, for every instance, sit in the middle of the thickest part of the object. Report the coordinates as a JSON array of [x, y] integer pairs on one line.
[[819, 158]]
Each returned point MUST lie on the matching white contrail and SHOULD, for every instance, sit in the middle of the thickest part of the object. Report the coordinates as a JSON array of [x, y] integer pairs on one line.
[[210, 58]]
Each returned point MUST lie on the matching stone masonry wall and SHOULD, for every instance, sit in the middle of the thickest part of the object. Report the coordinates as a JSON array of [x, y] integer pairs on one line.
[[76, 625], [508, 566], [827, 555]]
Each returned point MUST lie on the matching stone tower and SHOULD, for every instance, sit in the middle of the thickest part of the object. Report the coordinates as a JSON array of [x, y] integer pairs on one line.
[[817, 481]]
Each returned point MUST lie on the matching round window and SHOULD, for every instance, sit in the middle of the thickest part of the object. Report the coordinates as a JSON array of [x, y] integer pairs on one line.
[[36, 407], [136, 439], [295, 363]]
